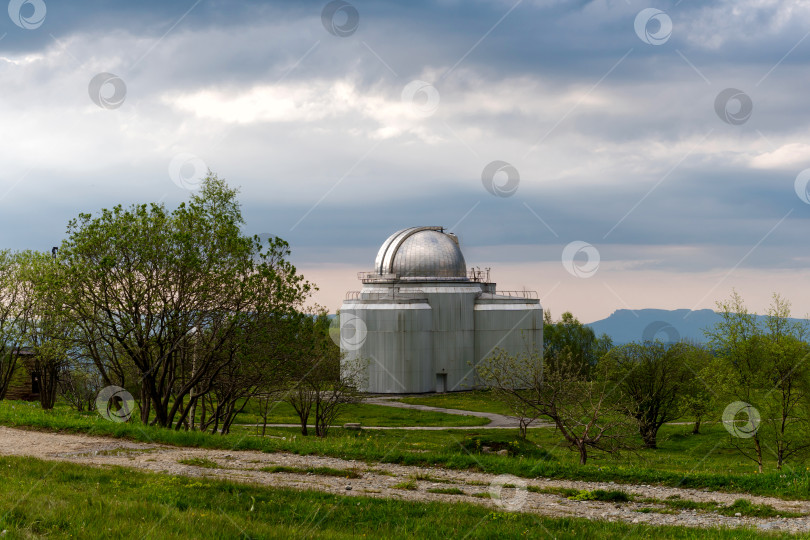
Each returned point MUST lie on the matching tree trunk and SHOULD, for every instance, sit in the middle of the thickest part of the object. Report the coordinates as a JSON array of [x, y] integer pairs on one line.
[[146, 404], [759, 453], [696, 427], [193, 412], [48, 379], [649, 434], [583, 454], [523, 429]]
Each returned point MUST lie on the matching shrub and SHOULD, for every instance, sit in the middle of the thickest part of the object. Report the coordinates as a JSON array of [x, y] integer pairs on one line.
[[515, 446]]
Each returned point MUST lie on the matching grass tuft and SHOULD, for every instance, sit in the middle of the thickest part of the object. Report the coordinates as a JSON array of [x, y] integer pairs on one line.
[[320, 471], [200, 462], [446, 491], [409, 485]]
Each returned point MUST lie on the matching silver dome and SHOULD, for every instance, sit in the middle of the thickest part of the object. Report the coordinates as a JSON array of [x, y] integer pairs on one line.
[[421, 252]]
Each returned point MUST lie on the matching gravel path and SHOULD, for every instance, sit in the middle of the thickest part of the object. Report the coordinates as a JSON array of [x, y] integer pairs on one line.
[[380, 479]]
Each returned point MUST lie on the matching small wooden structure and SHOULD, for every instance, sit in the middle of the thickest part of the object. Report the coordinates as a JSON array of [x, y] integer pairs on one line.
[[25, 383]]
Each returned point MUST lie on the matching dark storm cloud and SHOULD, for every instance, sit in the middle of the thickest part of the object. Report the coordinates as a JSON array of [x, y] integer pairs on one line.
[[591, 115]]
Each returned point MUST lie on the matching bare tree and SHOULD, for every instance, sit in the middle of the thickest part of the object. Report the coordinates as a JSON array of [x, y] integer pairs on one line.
[[315, 380], [582, 410]]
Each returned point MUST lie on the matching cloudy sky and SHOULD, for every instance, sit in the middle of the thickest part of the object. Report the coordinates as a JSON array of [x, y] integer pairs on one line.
[[609, 154]]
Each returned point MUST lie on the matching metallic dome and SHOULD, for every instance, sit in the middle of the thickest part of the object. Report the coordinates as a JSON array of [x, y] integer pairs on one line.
[[421, 252]]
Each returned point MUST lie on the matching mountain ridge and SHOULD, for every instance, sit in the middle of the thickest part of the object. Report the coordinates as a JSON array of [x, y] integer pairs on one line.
[[668, 325]]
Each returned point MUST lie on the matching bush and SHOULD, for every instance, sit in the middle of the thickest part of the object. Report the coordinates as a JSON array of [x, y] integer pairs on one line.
[[477, 443], [613, 495]]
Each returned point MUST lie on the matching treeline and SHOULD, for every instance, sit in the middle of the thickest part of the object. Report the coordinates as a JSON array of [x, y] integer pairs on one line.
[[179, 308], [752, 375]]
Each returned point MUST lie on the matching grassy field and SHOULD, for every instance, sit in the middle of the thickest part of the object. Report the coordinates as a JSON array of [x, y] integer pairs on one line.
[[685, 460], [474, 400], [61, 500], [367, 415]]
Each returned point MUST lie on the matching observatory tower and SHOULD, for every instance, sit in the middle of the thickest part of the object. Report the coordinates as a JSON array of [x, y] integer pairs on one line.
[[421, 322]]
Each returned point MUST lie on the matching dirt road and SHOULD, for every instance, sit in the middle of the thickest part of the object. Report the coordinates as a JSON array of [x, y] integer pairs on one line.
[[380, 479]]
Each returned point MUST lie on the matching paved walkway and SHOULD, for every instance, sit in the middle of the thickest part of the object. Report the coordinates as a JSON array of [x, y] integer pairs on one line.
[[496, 421]]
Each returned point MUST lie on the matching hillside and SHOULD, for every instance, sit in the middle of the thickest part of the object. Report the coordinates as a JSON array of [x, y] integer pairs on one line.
[[624, 325]]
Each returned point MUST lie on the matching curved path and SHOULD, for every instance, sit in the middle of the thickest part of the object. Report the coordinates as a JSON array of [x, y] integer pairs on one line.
[[496, 421]]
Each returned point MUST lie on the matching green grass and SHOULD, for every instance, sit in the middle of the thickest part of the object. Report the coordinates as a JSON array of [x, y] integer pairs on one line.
[[703, 461], [409, 485], [500, 440], [65, 500], [321, 471], [365, 414], [200, 462], [560, 491], [747, 508], [741, 506], [613, 495], [429, 478], [474, 400], [446, 491]]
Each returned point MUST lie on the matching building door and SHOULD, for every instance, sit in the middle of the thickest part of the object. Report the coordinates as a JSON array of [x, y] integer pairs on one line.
[[441, 382]]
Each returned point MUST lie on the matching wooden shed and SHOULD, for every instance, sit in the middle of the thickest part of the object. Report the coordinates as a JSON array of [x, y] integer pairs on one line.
[[25, 383]]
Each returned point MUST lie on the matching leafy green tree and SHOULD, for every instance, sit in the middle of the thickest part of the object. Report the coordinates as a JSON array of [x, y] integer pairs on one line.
[[736, 341], [786, 402], [16, 313], [700, 395], [569, 336], [166, 291], [653, 377], [49, 334], [766, 367]]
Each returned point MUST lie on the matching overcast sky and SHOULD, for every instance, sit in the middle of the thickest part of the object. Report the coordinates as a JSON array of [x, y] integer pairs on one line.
[[648, 154]]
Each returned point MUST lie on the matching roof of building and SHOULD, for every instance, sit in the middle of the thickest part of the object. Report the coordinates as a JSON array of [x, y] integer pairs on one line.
[[421, 252]]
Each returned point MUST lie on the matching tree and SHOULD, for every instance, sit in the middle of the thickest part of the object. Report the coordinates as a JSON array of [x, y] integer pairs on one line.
[[79, 384], [570, 336], [15, 314], [316, 380], [786, 403], [582, 410], [509, 378], [735, 339], [49, 333], [699, 397], [143, 280], [765, 371], [653, 377]]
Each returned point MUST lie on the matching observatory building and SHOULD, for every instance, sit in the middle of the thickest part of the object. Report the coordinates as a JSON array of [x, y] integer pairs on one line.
[[421, 322]]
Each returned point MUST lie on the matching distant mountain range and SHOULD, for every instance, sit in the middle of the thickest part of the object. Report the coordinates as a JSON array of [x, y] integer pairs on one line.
[[625, 325]]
